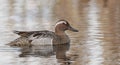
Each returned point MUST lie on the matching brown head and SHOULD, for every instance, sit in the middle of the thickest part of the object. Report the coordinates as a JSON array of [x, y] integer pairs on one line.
[[63, 25]]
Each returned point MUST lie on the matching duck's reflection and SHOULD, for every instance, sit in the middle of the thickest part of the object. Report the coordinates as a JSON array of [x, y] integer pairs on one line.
[[61, 50], [46, 51], [40, 50]]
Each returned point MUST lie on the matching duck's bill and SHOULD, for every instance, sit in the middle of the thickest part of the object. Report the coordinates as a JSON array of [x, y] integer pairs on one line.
[[73, 29]]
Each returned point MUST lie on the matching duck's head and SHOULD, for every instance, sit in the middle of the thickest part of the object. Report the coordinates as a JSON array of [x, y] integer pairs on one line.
[[63, 25]]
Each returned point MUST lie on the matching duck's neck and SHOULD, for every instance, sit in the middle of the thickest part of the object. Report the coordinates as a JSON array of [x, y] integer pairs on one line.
[[63, 36]]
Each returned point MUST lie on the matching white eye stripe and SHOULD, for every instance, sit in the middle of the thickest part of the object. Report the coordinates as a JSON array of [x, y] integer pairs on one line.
[[61, 22]]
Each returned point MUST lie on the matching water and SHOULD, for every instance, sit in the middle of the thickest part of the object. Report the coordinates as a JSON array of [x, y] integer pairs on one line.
[[96, 43]]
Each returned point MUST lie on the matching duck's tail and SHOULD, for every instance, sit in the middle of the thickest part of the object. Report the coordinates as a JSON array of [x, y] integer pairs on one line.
[[11, 44], [20, 42]]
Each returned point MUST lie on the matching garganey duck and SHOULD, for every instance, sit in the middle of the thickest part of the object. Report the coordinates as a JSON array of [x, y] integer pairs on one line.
[[57, 37]]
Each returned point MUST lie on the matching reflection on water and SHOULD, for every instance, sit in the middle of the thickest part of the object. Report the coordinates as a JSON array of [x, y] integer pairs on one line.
[[94, 33], [46, 51], [97, 43], [61, 53]]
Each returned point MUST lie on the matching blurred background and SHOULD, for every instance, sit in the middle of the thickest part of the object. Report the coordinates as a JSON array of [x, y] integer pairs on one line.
[[98, 22]]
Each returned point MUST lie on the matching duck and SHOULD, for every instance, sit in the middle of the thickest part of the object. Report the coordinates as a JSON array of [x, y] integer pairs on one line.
[[59, 36]]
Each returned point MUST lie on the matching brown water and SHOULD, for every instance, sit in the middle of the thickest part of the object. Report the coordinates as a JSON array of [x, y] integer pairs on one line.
[[96, 43]]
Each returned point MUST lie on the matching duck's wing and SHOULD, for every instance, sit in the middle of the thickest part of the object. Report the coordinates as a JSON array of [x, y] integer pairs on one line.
[[24, 33], [36, 34], [42, 34]]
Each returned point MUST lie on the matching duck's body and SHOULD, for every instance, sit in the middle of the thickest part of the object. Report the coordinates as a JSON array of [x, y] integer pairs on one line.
[[57, 37], [33, 38]]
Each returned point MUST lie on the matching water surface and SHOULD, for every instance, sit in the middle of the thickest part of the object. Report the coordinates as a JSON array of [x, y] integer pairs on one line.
[[96, 43]]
